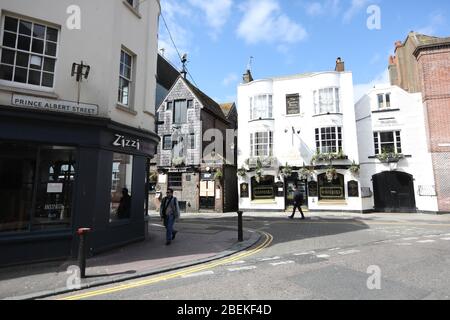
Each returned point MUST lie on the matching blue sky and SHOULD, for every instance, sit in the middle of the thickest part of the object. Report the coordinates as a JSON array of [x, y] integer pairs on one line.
[[289, 37]]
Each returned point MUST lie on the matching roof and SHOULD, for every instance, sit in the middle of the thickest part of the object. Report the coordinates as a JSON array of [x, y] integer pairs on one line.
[[208, 103], [227, 107], [422, 41], [167, 74]]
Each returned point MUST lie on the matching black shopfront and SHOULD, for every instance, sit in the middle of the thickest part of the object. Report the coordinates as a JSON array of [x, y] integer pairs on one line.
[[59, 173]]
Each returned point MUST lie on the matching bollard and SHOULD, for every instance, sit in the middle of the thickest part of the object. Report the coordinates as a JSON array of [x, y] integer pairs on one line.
[[240, 232], [82, 232]]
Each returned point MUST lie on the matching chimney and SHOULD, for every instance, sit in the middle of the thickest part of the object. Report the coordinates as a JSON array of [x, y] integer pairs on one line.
[[247, 76], [340, 65]]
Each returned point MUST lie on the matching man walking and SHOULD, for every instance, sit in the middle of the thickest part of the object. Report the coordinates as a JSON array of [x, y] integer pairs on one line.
[[298, 202], [169, 212]]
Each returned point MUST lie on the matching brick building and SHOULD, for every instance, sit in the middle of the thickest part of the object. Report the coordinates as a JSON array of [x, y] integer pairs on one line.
[[422, 64]]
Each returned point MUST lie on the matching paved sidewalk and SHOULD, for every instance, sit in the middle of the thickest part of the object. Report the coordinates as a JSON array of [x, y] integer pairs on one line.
[[196, 243]]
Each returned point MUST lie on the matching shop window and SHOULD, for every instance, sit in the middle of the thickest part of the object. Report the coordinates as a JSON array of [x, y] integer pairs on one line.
[[264, 189], [36, 187], [121, 187], [331, 189]]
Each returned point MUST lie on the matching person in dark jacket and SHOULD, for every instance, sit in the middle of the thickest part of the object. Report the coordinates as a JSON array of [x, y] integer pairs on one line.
[[169, 212], [298, 202], [124, 210]]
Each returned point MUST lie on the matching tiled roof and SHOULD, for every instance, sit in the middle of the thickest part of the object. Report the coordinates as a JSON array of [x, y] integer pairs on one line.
[[167, 74], [226, 108]]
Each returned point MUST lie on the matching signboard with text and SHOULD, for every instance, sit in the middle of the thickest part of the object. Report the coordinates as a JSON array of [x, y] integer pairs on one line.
[[292, 104]]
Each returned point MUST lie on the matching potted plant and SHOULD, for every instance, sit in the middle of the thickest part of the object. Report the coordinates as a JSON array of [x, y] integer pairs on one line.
[[242, 172], [355, 168], [306, 171], [331, 174], [178, 161], [389, 157], [286, 170]]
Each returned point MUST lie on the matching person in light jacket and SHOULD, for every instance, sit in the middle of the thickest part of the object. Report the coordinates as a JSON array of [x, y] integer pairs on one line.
[[169, 212]]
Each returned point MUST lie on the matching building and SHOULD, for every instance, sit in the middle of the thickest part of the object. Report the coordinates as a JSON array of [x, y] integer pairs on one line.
[[396, 164], [77, 120], [194, 157], [422, 64], [298, 130]]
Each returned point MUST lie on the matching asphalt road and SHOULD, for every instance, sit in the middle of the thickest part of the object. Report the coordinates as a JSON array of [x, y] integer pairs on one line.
[[319, 258]]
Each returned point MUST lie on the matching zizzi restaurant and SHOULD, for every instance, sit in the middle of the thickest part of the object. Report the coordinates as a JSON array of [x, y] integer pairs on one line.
[[60, 172]]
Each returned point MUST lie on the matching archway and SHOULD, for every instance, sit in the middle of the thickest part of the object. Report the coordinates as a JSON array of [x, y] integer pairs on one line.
[[394, 192]]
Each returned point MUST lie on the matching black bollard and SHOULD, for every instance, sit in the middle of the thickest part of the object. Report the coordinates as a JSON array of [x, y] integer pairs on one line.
[[82, 232], [240, 231]]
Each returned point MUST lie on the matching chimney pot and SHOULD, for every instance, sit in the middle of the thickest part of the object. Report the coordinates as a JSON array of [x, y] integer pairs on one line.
[[340, 65]]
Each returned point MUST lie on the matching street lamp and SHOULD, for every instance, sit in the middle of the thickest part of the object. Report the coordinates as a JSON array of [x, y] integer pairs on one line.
[[80, 70]]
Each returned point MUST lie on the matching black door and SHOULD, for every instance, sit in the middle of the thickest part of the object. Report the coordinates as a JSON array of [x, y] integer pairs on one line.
[[394, 192]]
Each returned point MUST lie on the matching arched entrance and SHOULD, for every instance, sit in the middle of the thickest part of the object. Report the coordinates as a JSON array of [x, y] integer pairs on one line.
[[394, 192]]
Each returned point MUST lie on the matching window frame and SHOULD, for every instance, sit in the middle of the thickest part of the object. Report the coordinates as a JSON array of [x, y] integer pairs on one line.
[[319, 105], [256, 147], [397, 141], [174, 111], [131, 80], [268, 107], [327, 145], [179, 184], [165, 141], [30, 53]]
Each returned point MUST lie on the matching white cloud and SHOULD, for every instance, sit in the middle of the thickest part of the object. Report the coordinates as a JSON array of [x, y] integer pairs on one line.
[[329, 7], [230, 79], [355, 8], [436, 21], [361, 89], [264, 22], [217, 13]]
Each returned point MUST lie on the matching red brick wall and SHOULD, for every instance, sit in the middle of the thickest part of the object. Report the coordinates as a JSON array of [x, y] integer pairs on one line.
[[434, 74]]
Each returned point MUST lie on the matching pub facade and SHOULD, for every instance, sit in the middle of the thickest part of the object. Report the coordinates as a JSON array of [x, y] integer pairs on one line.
[[298, 131], [76, 126]]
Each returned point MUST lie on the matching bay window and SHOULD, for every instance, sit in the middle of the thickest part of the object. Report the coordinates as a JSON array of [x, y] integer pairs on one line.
[[327, 101], [329, 140], [261, 107], [261, 144]]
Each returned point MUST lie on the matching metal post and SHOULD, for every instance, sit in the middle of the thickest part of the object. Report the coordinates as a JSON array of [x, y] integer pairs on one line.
[[240, 231], [82, 232]]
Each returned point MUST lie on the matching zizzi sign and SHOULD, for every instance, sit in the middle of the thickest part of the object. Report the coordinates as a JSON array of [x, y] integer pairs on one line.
[[54, 105], [124, 142]]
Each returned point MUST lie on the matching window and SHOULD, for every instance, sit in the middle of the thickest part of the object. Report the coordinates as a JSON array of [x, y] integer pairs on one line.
[[190, 104], [192, 141], [175, 180], [261, 107], [333, 189], [292, 104], [133, 3], [261, 144], [169, 106], [180, 112], [264, 189], [329, 140], [384, 101], [121, 187], [387, 142], [167, 143], [28, 53], [125, 79], [36, 187], [327, 101]]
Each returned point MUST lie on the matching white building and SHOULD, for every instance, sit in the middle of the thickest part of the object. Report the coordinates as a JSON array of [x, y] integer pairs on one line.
[[68, 148], [395, 162], [289, 120]]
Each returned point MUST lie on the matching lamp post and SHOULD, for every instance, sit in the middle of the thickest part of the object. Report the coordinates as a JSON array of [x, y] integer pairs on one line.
[[80, 71]]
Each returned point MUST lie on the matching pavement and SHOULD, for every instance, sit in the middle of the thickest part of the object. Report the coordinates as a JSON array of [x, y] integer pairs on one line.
[[195, 244]]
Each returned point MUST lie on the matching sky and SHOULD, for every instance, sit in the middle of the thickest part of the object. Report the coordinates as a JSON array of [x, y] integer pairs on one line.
[[287, 37]]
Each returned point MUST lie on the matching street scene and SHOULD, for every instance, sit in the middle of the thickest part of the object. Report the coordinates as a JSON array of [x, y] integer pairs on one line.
[[254, 150]]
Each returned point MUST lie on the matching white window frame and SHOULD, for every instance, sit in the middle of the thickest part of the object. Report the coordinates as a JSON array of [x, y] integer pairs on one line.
[[378, 144], [129, 103], [30, 53], [325, 107], [384, 104], [262, 111], [338, 143], [265, 146]]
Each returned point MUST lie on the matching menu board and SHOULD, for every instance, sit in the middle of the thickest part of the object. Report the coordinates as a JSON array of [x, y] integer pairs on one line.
[[292, 104]]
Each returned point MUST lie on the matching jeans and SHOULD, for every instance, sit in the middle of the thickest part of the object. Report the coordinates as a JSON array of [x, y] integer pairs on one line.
[[299, 207], [169, 222]]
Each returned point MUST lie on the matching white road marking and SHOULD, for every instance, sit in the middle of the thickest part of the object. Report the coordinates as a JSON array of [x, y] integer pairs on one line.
[[305, 253], [409, 239], [403, 244], [445, 239], [236, 263], [281, 263], [432, 236], [323, 256], [426, 241], [334, 249], [270, 259], [343, 253], [242, 268], [198, 274]]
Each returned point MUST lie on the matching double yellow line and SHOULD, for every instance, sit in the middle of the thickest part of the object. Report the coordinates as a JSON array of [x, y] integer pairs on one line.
[[267, 241]]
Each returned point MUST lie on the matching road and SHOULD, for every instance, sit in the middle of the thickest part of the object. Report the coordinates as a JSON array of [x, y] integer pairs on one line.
[[318, 258]]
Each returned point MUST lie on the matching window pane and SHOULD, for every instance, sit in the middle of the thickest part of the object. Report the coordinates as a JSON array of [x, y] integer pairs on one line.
[[25, 28], [50, 49], [36, 62], [49, 65], [38, 46], [17, 175], [47, 79], [39, 31], [20, 75], [387, 136], [9, 39], [34, 77], [55, 188], [52, 34], [24, 43], [6, 72], [11, 24], [121, 187], [8, 56]]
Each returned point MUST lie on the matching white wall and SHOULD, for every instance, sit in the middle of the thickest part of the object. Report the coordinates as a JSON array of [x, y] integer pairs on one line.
[[409, 119], [106, 26]]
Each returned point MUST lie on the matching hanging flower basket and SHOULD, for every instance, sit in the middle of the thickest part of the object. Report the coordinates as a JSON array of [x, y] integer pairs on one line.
[[178, 161], [286, 171], [242, 172], [331, 174], [355, 168]]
